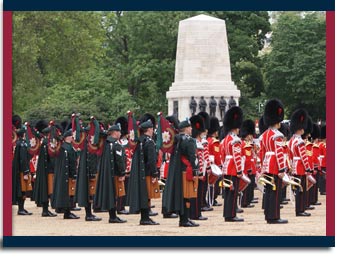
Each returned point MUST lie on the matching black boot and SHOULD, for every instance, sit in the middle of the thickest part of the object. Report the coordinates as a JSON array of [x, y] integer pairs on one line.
[[46, 212], [69, 215], [145, 220], [113, 217], [89, 216], [185, 221], [21, 210]]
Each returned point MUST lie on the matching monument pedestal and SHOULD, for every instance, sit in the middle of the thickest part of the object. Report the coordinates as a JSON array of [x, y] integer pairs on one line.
[[202, 66]]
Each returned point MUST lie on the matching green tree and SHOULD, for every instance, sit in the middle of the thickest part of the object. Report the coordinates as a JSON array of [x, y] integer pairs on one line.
[[295, 69]]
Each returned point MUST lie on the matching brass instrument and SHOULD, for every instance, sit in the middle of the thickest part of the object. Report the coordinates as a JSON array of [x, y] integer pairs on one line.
[[293, 181], [226, 183], [266, 179]]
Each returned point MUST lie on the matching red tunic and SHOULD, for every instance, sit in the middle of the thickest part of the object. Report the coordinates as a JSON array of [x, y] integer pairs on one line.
[[248, 156], [230, 151], [323, 154], [298, 155], [271, 152], [316, 155], [214, 150]]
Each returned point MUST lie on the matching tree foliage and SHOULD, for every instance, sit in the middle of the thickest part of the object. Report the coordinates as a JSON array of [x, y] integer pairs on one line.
[[295, 68], [106, 63]]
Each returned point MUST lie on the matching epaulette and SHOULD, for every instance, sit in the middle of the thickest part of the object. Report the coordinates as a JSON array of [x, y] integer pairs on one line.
[[235, 139], [277, 134], [215, 140]]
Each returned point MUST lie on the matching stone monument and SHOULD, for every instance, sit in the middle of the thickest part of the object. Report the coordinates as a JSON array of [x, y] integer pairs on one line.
[[202, 67]]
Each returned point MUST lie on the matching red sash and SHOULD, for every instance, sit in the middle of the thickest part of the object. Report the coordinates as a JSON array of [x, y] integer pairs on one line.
[[189, 169]]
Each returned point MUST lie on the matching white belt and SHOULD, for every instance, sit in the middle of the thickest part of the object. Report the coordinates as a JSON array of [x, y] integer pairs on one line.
[[269, 153], [228, 157], [296, 158], [321, 156]]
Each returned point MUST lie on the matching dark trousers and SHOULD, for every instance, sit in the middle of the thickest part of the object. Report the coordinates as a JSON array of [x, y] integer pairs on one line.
[[314, 189], [272, 199], [196, 203], [251, 188], [322, 184], [300, 196], [230, 198]]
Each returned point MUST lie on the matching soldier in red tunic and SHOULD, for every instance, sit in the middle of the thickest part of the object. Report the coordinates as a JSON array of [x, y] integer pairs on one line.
[[198, 133], [300, 161], [323, 158], [315, 135], [215, 158], [230, 149], [246, 133], [273, 160]]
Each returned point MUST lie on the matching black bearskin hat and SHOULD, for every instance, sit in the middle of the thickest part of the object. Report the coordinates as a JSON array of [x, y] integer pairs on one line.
[[174, 121], [214, 125], [123, 121], [233, 119], [41, 125], [309, 128], [285, 130], [316, 133], [261, 125], [16, 121], [146, 117], [247, 128], [273, 112], [197, 124], [299, 120], [323, 132], [206, 118]]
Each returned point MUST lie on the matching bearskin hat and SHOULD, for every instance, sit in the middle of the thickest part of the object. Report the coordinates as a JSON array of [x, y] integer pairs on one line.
[[123, 121], [214, 125], [323, 132], [247, 128], [309, 128], [233, 119], [197, 124], [273, 112], [145, 117], [206, 118], [41, 125], [16, 121], [285, 130], [261, 125], [174, 121], [316, 133], [299, 120]]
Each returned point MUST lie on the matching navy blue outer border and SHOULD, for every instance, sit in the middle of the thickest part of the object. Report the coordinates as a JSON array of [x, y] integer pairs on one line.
[[168, 5], [169, 241]]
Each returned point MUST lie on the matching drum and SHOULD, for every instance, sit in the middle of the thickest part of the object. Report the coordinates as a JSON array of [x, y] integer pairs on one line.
[[215, 174], [310, 181], [243, 182]]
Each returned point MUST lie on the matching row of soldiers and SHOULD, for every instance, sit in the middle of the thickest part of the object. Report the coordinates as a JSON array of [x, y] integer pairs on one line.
[[100, 167]]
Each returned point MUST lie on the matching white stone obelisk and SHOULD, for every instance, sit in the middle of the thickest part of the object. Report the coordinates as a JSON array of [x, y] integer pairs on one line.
[[202, 66]]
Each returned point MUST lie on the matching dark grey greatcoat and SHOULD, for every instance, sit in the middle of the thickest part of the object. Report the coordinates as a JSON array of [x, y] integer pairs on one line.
[[65, 170], [20, 163], [173, 200], [87, 169], [44, 167], [143, 164], [112, 164]]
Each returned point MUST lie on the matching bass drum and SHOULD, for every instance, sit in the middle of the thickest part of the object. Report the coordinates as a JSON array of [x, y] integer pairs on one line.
[[215, 174]]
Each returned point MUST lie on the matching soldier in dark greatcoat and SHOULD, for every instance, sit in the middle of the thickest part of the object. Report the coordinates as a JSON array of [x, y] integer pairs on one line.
[[143, 166], [64, 173], [111, 172], [20, 168], [181, 184], [44, 173]]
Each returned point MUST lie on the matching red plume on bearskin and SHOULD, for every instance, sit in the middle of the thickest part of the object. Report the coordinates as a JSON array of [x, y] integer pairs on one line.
[[132, 131], [273, 112], [198, 125], [165, 135], [233, 118], [33, 142], [299, 120]]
